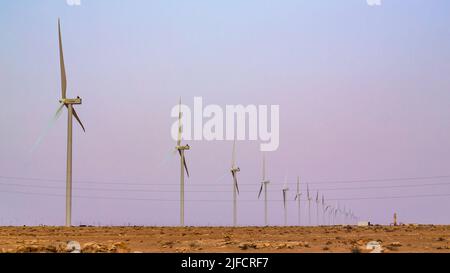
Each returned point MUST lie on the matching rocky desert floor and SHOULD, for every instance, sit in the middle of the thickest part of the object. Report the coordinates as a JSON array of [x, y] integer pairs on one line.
[[343, 239]]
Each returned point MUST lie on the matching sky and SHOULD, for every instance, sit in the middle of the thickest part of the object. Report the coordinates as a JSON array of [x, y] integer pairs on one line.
[[363, 93]]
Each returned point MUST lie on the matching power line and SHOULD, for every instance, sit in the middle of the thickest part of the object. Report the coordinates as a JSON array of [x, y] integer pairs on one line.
[[229, 200], [158, 190], [417, 178]]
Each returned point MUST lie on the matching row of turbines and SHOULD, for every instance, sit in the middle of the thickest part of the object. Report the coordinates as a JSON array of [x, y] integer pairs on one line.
[[330, 214], [334, 214]]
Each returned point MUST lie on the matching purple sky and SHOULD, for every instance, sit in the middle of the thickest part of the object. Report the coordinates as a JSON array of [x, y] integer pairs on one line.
[[363, 94]]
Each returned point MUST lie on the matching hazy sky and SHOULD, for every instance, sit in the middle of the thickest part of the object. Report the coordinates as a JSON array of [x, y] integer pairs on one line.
[[364, 93]]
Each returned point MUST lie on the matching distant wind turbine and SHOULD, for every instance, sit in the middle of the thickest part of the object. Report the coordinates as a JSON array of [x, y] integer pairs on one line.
[[317, 209], [234, 171], [284, 190], [297, 198], [264, 184], [181, 149], [309, 204], [323, 210]]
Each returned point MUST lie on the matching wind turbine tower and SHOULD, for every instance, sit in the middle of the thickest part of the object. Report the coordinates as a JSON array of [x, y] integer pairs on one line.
[[264, 184], [181, 149], [234, 170]]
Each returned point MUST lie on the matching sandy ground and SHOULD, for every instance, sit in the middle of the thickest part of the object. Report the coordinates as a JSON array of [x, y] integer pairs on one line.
[[423, 238]]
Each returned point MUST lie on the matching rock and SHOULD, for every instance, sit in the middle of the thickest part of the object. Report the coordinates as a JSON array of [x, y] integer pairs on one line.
[[51, 249], [27, 249], [92, 247], [245, 246], [36, 249], [395, 244], [374, 246], [119, 247], [281, 246], [181, 250], [73, 247]]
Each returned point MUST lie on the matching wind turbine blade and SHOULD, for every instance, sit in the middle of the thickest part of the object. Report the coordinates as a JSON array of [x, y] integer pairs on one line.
[[185, 164], [225, 174], [78, 119], [61, 64], [50, 124], [295, 198], [284, 198], [180, 127], [298, 184], [235, 182], [260, 190], [166, 157]]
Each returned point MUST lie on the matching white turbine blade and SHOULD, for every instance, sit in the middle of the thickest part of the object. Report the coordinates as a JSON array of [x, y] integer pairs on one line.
[[50, 124], [222, 176], [284, 198], [298, 184], [78, 119], [260, 190], [180, 126], [235, 182], [185, 164], [167, 156], [61, 64]]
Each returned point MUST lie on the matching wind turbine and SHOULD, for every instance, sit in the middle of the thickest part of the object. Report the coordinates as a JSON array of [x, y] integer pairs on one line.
[[264, 183], [234, 170], [329, 217], [297, 198], [323, 210], [309, 204], [180, 148], [284, 190], [317, 209], [69, 104]]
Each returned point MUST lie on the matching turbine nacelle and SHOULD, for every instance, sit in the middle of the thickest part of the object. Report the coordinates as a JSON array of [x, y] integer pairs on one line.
[[235, 169], [77, 100], [185, 147]]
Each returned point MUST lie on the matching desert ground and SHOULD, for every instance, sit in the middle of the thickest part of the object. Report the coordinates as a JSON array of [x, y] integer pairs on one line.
[[343, 239]]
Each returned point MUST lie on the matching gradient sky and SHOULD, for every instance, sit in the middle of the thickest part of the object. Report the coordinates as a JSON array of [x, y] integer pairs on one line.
[[364, 93]]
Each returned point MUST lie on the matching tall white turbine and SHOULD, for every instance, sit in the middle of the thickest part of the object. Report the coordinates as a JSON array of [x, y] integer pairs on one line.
[[181, 149], [264, 183], [234, 171], [284, 190], [297, 198], [69, 104]]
